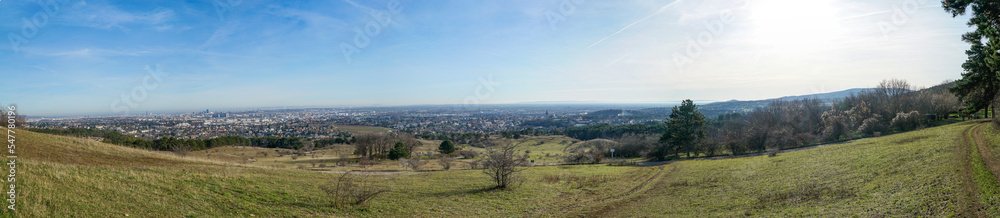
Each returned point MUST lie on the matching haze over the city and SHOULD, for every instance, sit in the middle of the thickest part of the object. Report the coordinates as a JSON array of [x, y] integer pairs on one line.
[[84, 56]]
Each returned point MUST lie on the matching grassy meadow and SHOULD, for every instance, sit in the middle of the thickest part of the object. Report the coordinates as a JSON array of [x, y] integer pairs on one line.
[[930, 172], [544, 150]]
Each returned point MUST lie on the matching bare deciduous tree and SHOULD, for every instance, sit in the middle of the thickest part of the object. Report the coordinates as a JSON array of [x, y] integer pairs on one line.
[[476, 164], [378, 145], [591, 151], [893, 87], [415, 163], [352, 188], [180, 150], [502, 164], [446, 162]]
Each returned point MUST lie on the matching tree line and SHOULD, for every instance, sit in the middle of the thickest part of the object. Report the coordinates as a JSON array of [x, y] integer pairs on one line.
[[461, 138], [385, 145], [604, 130], [892, 106], [173, 144]]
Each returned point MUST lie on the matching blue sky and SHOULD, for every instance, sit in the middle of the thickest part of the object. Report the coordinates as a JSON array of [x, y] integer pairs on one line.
[[86, 56]]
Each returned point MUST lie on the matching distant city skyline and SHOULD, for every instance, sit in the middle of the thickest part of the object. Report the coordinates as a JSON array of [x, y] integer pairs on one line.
[[74, 57]]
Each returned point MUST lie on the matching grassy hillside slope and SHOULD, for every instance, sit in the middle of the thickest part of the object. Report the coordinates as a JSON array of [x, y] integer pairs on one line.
[[929, 172], [63, 176], [920, 173]]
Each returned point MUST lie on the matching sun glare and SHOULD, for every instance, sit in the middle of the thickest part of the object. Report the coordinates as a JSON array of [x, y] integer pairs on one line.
[[795, 24]]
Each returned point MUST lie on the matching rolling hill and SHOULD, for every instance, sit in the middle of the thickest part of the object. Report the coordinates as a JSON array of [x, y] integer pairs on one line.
[[940, 171], [734, 106]]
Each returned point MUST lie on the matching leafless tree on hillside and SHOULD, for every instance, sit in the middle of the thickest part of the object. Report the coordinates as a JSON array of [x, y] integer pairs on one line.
[[446, 162], [375, 145], [503, 164], [352, 188], [591, 151], [415, 163], [893, 87], [180, 150]]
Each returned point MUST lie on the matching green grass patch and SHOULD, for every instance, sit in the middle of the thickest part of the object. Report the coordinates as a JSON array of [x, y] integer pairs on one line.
[[907, 174], [989, 188]]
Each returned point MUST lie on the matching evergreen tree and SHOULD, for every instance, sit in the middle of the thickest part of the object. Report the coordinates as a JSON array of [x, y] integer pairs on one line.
[[399, 151], [980, 83], [685, 129], [446, 147]]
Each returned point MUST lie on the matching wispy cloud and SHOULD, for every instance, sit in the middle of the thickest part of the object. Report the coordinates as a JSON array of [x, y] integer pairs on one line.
[[221, 35], [362, 7], [91, 52], [109, 16], [310, 17]]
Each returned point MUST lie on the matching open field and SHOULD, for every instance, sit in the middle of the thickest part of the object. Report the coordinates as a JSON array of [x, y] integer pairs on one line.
[[544, 150], [929, 172], [908, 174]]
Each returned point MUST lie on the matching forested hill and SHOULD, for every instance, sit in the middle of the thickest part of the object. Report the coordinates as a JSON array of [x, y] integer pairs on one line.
[[734, 106]]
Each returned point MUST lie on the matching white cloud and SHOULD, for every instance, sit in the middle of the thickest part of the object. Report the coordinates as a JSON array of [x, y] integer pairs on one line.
[[108, 17], [91, 52]]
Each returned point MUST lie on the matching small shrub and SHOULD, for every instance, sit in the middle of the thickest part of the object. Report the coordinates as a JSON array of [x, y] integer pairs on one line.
[[772, 153], [350, 188], [871, 125], [503, 165], [343, 159], [468, 154], [180, 150], [476, 164], [446, 162], [365, 161], [416, 163], [551, 178]]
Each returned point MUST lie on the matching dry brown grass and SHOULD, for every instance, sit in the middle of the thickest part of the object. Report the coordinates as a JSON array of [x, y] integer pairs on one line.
[[80, 151]]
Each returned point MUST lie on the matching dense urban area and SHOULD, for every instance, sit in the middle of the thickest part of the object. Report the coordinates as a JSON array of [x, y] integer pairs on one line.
[[324, 122]]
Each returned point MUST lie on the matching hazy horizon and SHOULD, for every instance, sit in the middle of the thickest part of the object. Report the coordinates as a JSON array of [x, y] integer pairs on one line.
[[106, 57]]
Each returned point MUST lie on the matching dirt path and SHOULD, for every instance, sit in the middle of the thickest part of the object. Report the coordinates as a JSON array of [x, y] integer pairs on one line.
[[630, 192], [984, 151], [968, 200], [607, 209], [564, 211]]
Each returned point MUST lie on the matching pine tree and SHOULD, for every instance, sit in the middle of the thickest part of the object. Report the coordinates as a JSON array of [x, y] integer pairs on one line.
[[685, 129], [446, 147], [399, 151], [980, 83]]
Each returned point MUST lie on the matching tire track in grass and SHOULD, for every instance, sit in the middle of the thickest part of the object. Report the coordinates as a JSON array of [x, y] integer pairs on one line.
[[967, 199], [599, 212], [564, 210], [985, 168], [985, 152]]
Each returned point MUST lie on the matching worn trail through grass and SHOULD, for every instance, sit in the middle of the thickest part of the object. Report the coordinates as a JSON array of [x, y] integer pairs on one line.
[[981, 173], [984, 151]]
